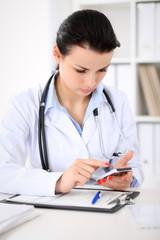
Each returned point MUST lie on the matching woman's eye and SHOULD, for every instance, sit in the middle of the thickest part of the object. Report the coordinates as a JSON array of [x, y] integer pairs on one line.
[[80, 71], [103, 70]]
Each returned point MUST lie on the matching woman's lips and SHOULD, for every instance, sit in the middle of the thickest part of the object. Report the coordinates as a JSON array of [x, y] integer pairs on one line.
[[86, 91]]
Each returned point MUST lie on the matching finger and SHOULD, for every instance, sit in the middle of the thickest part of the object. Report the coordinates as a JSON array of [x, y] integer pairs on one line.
[[96, 163], [124, 160], [84, 172], [81, 180], [111, 179], [110, 183], [115, 182], [123, 185], [88, 168], [128, 177], [129, 173]]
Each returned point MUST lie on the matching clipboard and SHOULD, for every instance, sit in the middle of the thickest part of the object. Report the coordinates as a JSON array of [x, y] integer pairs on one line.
[[80, 199]]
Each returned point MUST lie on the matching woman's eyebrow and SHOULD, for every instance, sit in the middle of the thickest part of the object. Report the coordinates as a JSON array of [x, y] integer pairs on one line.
[[88, 69], [81, 67], [104, 67]]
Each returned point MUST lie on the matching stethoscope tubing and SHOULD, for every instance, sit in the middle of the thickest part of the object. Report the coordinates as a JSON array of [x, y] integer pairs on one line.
[[41, 129]]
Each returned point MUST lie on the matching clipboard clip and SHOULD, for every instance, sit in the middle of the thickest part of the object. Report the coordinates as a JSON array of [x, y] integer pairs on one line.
[[125, 199]]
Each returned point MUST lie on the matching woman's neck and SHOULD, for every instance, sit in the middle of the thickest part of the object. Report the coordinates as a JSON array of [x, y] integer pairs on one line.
[[67, 97], [75, 105]]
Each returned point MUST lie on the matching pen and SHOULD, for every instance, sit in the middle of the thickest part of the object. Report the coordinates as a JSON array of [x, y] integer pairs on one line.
[[98, 195]]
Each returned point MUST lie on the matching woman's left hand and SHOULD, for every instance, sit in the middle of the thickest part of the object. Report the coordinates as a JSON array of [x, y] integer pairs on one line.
[[122, 181]]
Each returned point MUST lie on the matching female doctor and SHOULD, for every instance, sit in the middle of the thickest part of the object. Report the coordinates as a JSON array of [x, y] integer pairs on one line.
[[82, 138]]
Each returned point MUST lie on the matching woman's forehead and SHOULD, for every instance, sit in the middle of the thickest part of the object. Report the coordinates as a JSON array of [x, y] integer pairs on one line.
[[88, 58]]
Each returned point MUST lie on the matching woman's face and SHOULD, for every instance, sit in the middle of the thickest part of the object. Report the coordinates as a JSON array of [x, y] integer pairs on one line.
[[83, 69]]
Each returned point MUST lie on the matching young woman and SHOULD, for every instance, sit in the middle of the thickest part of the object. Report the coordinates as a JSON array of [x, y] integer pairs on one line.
[[82, 140]]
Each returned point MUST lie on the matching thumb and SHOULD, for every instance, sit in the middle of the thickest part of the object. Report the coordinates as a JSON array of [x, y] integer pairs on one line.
[[124, 160]]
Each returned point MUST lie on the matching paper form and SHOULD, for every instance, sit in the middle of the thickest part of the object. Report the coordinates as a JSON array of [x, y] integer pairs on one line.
[[76, 197]]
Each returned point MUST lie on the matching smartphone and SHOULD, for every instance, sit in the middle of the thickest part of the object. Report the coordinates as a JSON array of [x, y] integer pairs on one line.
[[115, 171]]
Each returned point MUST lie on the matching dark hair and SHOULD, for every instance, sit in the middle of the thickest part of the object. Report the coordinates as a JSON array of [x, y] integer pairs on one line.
[[86, 27]]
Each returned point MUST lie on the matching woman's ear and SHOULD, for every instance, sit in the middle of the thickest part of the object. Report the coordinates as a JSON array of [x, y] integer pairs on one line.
[[56, 54]]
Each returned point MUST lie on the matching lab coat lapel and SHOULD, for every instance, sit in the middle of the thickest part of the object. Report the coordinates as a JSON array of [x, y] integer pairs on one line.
[[61, 121]]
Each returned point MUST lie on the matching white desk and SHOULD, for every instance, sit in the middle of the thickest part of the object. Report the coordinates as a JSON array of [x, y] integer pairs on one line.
[[76, 225]]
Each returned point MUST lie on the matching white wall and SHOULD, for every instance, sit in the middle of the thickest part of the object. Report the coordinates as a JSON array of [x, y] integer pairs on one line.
[[27, 29]]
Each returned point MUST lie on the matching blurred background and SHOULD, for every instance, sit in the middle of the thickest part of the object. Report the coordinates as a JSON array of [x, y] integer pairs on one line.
[[27, 30], [27, 36]]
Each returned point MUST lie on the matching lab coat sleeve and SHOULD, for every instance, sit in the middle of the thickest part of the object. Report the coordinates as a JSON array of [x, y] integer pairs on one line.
[[128, 126], [15, 178]]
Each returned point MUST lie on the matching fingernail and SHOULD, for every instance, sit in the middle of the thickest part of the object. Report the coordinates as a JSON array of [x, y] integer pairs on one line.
[[132, 152], [107, 164], [103, 180], [99, 182], [109, 178], [124, 178]]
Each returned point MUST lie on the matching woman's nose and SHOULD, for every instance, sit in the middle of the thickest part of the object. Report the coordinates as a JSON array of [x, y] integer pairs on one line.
[[90, 80]]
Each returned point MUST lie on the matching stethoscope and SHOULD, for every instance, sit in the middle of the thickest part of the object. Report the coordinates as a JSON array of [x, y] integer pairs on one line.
[[41, 129]]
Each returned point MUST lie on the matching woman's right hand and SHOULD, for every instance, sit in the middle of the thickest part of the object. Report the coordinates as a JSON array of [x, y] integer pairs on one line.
[[78, 174]]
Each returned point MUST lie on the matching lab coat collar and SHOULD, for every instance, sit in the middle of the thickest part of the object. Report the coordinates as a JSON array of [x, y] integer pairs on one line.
[[61, 121]]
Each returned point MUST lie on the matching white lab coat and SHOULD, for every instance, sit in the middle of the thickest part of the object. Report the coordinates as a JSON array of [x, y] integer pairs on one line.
[[20, 165]]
